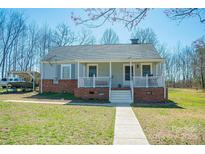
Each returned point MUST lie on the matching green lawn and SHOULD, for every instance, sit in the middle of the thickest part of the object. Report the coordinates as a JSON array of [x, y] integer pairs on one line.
[[23, 123], [180, 123], [1, 90], [68, 96]]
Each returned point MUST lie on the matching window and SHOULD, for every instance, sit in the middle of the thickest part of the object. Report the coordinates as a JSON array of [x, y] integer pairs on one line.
[[66, 71], [16, 79], [92, 70], [4, 79], [146, 69]]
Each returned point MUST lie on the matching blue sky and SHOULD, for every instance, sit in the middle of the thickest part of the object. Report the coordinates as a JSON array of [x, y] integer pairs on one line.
[[167, 31]]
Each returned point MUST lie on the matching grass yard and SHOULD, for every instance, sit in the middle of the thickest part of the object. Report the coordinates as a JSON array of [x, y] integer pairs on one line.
[[36, 96], [2, 90], [26, 123], [57, 96], [182, 123]]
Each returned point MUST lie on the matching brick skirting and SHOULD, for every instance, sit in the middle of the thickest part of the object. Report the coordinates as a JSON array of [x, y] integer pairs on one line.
[[92, 93], [61, 86], [150, 94], [140, 94]]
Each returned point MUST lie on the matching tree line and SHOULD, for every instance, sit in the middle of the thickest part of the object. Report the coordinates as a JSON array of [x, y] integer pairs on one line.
[[23, 45]]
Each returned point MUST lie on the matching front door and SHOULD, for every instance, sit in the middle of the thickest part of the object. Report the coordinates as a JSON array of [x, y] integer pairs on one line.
[[126, 74]]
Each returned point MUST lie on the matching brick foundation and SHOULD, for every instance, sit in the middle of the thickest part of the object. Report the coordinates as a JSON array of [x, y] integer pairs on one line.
[[150, 94], [61, 86], [140, 94], [92, 93]]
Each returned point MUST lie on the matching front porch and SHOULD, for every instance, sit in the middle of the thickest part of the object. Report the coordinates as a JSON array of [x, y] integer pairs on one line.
[[128, 76], [120, 74]]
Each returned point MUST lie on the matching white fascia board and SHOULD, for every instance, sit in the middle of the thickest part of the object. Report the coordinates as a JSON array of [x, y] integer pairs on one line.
[[106, 60]]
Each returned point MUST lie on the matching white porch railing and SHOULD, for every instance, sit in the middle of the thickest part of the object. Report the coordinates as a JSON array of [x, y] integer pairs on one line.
[[94, 82], [148, 81], [138, 81]]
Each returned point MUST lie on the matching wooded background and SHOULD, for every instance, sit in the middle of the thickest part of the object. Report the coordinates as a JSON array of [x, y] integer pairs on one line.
[[23, 44]]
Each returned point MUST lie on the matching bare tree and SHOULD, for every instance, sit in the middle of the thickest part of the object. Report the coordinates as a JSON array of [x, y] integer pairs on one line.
[[63, 36], [97, 17], [199, 63], [45, 40], [2, 20], [109, 37], [31, 47], [146, 35], [131, 17], [85, 37], [181, 14], [10, 30]]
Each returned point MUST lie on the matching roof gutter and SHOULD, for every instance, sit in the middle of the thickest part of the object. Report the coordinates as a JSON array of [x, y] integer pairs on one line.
[[107, 60]]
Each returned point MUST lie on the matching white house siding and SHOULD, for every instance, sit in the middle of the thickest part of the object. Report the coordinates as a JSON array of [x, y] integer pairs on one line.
[[52, 71], [117, 73], [49, 71]]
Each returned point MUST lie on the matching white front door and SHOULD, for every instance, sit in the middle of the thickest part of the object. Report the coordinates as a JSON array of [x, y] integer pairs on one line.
[[126, 74]]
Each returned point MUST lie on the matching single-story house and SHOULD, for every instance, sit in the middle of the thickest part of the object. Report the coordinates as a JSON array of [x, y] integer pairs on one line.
[[117, 72]]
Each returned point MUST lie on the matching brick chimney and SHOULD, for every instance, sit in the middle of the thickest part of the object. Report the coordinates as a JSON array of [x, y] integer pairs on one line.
[[134, 41]]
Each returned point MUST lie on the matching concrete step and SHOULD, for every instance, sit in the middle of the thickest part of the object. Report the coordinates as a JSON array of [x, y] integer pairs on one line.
[[120, 91], [121, 101], [120, 96]]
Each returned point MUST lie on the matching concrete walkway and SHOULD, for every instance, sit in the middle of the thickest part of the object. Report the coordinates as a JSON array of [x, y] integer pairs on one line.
[[127, 127]]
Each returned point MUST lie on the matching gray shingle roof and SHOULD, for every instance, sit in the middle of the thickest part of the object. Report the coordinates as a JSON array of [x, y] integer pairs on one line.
[[103, 52]]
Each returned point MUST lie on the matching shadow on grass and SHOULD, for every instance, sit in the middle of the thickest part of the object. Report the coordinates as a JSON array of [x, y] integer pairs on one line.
[[14, 92], [165, 104], [66, 96], [90, 104]]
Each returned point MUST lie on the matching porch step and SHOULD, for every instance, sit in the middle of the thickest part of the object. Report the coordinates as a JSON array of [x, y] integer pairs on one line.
[[120, 96], [123, 88]]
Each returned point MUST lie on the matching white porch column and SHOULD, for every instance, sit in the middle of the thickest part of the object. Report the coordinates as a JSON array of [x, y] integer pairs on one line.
[[110, 70], [78, 72], [147, 85], [41, 70]]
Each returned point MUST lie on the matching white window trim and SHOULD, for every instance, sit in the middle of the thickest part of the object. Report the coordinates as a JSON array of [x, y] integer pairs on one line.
[[88, 65], [124, 71], [146, 64], [65, 65]]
